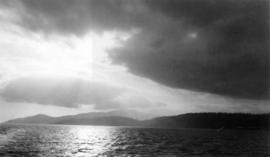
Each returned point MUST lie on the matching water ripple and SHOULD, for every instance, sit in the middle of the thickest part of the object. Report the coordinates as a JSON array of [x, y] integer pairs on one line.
[[49, 140]]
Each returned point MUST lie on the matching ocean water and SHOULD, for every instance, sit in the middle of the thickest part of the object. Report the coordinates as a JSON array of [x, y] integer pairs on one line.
[[53, 140]]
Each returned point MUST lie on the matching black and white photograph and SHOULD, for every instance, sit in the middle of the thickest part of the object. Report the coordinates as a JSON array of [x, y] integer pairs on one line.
[[134, 78]]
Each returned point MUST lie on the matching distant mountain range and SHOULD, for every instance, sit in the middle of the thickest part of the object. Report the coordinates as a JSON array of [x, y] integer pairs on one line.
[[113, 118], [190, 120]]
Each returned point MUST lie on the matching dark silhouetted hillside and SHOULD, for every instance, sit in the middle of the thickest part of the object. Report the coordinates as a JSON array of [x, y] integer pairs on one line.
[[213, 121]]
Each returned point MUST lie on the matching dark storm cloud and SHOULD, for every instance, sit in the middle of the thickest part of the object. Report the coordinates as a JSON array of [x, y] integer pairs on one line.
[[212, 46], [60, 92]]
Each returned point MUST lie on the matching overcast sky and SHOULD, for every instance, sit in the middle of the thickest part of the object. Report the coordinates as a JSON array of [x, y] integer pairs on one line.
[[160, 57]]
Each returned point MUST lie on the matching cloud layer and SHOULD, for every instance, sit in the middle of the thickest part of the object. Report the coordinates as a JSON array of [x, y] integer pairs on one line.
[[209, 46], [77, 17], [70, 92], [73, 92]]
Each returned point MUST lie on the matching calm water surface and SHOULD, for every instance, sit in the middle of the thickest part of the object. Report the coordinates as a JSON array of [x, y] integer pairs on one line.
[[51, 140]]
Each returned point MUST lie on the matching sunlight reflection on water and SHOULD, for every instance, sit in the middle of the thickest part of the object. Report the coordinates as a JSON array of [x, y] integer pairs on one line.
[[80, 141], [91, 140]]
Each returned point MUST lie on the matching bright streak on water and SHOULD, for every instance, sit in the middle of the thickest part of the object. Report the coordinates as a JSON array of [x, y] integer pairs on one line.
[[80, 141]]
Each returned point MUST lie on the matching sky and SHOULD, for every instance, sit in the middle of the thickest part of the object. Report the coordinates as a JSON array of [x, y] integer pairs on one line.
[[60, 57]]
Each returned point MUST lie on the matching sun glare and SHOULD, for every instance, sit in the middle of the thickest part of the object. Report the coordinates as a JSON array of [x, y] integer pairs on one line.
[[73, 56]]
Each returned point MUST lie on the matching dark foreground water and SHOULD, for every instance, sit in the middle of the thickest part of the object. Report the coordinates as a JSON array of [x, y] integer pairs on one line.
[[49, 140]]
